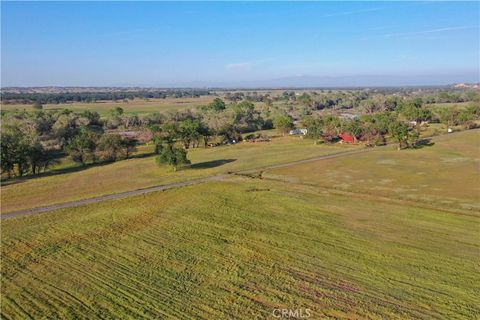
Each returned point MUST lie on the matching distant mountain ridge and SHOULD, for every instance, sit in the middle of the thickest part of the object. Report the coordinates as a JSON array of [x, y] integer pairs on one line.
[[369, 81], [341, 81]]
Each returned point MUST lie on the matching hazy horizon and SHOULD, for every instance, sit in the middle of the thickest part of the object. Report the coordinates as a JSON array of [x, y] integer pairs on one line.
[[321, 44]]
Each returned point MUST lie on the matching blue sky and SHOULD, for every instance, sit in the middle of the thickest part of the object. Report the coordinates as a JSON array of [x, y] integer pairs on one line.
[[188, 43]]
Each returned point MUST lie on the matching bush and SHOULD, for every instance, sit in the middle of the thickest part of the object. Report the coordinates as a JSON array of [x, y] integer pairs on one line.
[[37, 105]]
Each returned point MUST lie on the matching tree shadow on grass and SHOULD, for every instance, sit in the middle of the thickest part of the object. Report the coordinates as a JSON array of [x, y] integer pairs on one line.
[[424, 143], [70, 169], [53, 172], [211, 164]]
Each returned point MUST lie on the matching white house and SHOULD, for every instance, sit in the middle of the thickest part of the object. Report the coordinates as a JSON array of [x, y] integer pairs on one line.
[[298, 132]]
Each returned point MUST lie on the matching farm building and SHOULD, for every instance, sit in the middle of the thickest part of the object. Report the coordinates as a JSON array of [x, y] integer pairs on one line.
[[346, 137], [298, 132]]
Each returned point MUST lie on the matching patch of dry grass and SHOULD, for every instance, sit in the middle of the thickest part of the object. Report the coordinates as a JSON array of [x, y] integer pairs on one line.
[[143, 172], [240, 250], [445, 174]]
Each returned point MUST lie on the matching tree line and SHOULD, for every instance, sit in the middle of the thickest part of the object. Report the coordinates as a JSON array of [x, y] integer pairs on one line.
[[402, 124], [32, 141], [90, 97]]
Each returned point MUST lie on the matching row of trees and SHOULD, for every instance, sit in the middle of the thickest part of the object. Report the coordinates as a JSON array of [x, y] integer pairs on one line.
[[65, 97], [32, 140], [369, 101], [192, 129], [403, 125], [454, 116], [372, 129], [90, 146], [20, 155]]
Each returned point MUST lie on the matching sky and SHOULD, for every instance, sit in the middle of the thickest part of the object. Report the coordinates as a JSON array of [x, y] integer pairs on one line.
[[168, 44]]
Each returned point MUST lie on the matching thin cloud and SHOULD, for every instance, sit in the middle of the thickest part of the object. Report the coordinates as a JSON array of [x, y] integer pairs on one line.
[[377, 28], [414, 33]]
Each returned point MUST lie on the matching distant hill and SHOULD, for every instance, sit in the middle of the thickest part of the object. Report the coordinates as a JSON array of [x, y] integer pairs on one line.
[[307, 81], [360, 81], [467, 86]]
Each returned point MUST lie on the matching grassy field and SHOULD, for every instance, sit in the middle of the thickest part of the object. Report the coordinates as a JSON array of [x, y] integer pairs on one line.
[[447, 173], [237, 250], [459, 105], [137, 173], [140, 106], [382, 235], [137, 106]]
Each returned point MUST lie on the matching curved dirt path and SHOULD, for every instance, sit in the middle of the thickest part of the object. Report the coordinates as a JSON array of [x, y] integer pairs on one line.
[[132, 193], [107, 197]]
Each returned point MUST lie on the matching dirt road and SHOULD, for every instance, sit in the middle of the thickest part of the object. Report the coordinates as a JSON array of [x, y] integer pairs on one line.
[[132, 193]]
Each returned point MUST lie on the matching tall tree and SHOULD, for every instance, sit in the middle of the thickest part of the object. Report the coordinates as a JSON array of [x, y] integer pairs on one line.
[[110, 147], [83, 146], [332, 127], [206, 133], [449, 116], [39, 158], [314, 128], [129, 146], [283, 123], [173, 156], [8, 153], [189, 132], [403, 134]]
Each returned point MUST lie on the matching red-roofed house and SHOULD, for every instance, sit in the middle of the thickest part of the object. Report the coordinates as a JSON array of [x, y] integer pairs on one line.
[[347, 137]]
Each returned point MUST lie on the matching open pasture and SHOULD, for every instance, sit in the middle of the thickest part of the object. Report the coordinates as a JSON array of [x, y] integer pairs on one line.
[[240, 250], [459, 105], [444, 173], [137, 106], [143, 172]]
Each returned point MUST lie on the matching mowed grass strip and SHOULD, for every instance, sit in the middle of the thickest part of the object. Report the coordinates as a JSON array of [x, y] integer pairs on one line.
[[445, 174], [140, 173], [237, 250]]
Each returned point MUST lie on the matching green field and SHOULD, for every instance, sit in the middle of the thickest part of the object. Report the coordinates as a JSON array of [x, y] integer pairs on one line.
[[137, 106], [143, 172], [447, 173], [241, 247], [459, 105]]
